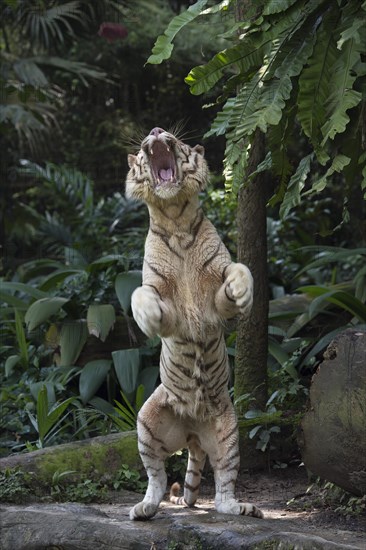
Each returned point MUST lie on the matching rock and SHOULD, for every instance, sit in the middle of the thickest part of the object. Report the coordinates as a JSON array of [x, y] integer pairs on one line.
[[333, 438], [108, 527], [90, 457]]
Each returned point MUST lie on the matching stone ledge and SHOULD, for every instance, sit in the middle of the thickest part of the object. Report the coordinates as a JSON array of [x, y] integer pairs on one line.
[[108, 527]]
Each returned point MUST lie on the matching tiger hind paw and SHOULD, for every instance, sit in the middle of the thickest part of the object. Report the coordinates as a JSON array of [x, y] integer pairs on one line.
[[143, 511], [239, 508]]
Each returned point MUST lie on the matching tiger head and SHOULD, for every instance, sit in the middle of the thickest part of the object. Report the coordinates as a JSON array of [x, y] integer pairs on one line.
[[165, 168]]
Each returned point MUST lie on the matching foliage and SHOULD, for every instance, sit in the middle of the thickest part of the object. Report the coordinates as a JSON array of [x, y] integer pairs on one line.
[[30, 96], [58, 301], [295, 67], [328, 495], [13, 485], [18, 486], [129, 479], [297, 338]]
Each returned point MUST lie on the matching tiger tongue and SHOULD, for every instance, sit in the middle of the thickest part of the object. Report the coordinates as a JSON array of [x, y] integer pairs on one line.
[[166, 175]]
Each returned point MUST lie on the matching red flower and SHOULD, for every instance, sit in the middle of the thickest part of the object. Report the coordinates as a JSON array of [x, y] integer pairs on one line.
[[112, 31]]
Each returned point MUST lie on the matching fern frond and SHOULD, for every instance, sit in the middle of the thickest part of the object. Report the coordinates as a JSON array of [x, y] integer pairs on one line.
[[163, 46], [338, 163], [314, 81], [296, 184], [343, 97]]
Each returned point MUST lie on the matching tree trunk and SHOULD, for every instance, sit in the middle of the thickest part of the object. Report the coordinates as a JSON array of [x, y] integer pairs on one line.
[[333, 436], [252, 333]]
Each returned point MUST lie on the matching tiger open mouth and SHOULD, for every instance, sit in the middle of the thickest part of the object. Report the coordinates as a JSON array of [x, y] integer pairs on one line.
[[163, 165]]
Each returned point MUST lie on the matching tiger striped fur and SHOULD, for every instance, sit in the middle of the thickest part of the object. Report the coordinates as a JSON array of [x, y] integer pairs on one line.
[[190, 286]]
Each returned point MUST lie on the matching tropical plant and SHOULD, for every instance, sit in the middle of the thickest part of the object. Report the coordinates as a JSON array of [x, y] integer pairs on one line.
[[296, 66], [32, 36]]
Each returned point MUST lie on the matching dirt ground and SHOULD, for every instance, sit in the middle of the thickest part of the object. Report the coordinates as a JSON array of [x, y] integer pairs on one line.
[[288, 494]]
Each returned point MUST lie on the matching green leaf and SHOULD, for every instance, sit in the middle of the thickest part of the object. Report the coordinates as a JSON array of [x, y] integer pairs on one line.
[[338, 163], [163, 46], [341, 97], [21, 340], [52, 281], [271, 103], [127, 366], [46, 418], [72, 339], [91, 378], [314, 81], [276, 350], [296, 184], [202, 78], [276, 6], [10, 363], [125, 284], [140, 396], [101, 319], [12, 300], [35, 388], [148, 378], [29, 73], [340, 298], [24, 289], [41, 310]]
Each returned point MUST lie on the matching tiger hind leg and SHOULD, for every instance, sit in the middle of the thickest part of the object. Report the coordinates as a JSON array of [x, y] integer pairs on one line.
[[196, 462], [155, 443], [222, 445]]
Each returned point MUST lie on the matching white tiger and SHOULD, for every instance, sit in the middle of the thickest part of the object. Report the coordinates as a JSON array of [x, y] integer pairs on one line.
[[190, 285]]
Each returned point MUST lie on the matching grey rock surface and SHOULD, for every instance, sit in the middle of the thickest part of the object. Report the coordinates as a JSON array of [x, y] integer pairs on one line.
[[108, 527]]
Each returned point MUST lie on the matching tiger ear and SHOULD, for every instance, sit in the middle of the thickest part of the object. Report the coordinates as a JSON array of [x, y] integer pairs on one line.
[[131, 159], [199, 149]]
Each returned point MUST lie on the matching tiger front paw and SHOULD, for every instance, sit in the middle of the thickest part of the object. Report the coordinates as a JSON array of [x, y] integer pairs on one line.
[[147, 310], [239, 287]]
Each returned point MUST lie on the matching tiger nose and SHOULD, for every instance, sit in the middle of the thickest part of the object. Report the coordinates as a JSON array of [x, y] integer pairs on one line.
[[156, 131]]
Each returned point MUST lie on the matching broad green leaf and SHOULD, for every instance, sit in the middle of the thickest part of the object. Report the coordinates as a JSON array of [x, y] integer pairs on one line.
[[24, 289], [41, 310], [92, 376], [127, 366], [21, 340], [320, 345], [125, 284], [140, 396], [51, 282], [163, 46], [101, 319], [296, 184], [276, 350], [46, 418], [12, 300], [101, 405], [36, 387], [148, 378], [342, 299], [42, 411], [72, 339], [10, 364], [56, 412], [276, 6], [29, 73], [82, 70]]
